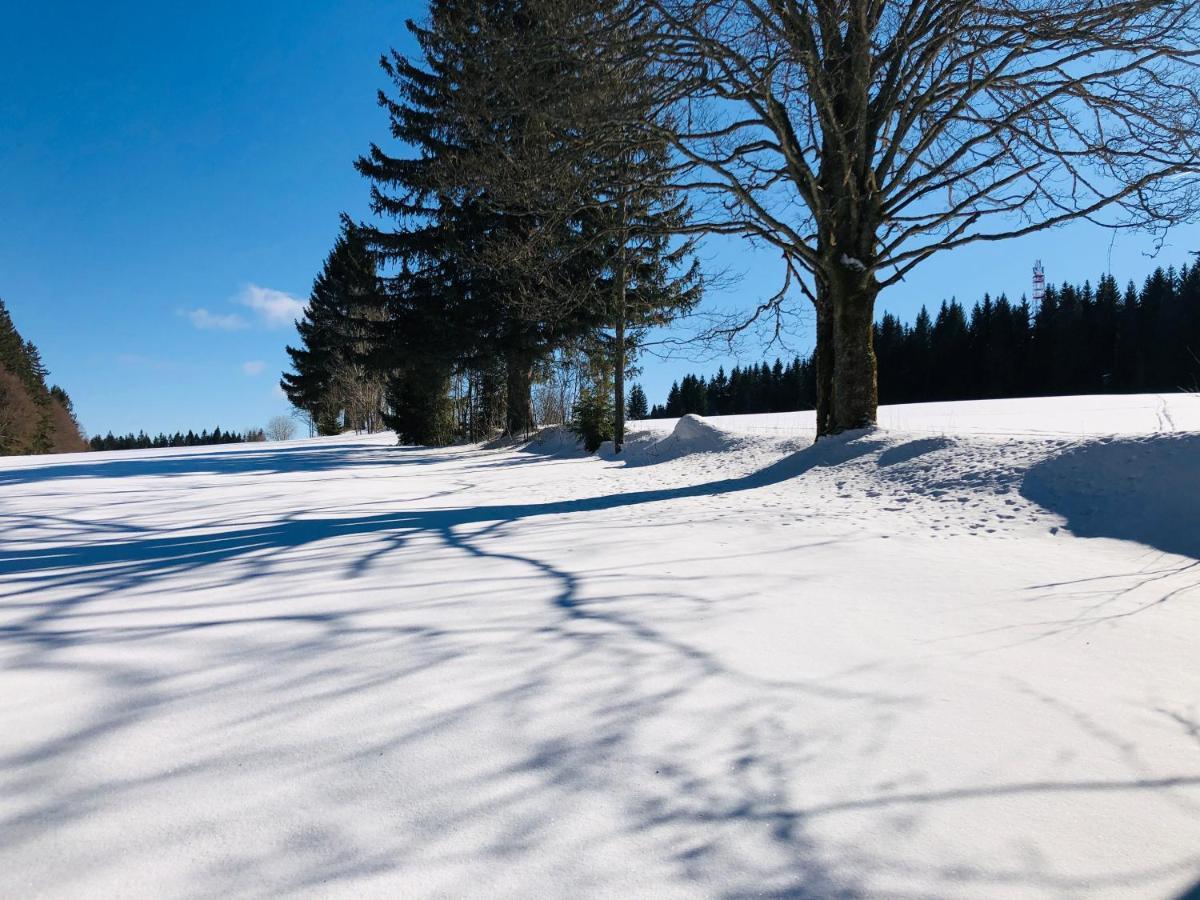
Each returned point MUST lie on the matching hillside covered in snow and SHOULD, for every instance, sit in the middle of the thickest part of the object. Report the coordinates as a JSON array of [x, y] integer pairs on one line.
[[955, 656]]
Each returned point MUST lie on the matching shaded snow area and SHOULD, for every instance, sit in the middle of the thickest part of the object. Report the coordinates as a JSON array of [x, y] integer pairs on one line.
[[954, 658]]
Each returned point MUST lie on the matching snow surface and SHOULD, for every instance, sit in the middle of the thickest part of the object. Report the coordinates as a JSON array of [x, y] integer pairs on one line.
[[1088, 416], [955, 657]]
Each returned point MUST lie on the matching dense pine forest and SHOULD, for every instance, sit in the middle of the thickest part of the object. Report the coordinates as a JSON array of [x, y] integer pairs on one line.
[[1080, 340], [34, 417]]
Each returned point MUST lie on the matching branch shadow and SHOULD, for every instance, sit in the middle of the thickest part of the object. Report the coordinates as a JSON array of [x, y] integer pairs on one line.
[[591, 703], [237, 461], [45, 588], [141, 556]]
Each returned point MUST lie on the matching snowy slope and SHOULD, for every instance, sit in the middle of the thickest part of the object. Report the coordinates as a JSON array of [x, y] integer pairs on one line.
[[955, 657]]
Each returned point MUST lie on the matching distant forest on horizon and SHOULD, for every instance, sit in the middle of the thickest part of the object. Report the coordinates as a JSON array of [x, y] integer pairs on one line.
[[1080, 340]]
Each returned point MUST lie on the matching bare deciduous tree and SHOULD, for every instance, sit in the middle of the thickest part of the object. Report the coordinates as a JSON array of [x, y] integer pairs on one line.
[[557, 390], [861, 137], [280, 428]]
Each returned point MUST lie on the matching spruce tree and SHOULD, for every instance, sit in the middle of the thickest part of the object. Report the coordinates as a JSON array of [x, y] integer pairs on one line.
[[654, 276], [335, 369], [540, 176], [474, 253], [638, 408], [617, 150], [418, 352]]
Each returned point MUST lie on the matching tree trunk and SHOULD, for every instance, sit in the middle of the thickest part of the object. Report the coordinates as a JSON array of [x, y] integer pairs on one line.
[[519, 394], [823, 360], [619, 361], [619, 388], [855, 391], [471, 406]]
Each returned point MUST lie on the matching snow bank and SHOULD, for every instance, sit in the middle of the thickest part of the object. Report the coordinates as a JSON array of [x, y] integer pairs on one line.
[[693, 434], [690, 434], [554, 440], [1145, 490]]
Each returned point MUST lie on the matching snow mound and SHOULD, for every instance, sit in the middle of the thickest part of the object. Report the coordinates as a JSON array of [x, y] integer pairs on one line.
[[553, 440], [691, 434], [1140, 489]]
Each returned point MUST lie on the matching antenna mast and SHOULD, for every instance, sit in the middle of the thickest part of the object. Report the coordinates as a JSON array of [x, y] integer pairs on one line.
[[1039, 284]]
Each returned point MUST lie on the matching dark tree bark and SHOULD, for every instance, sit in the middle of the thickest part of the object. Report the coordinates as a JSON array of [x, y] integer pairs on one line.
[[855, 392], [619, 355], [823, 360], [518, 418]]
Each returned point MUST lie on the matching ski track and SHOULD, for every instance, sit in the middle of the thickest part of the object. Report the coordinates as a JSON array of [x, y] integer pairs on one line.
[[946, 661]]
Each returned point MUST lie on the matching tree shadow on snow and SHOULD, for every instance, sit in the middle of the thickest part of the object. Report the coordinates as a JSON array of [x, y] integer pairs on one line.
[[267, 461], [148, 556], [602, 659], [1134, 489], [909, 451], [721, 802]]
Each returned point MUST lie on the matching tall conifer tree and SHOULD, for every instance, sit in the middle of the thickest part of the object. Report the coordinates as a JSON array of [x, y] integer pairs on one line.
[[336, 374], [450, 229]]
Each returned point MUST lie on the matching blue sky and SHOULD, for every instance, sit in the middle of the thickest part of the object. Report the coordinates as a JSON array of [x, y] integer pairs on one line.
[[171, 177]]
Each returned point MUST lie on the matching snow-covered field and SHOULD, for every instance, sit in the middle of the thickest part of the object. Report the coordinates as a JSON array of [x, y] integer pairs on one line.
[[956, 657], [1092, 416]]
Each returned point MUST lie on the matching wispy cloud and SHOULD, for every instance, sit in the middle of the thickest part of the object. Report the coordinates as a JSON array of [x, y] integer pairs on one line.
[[254, 367], [274, 309], [209, 321], [270, 308]]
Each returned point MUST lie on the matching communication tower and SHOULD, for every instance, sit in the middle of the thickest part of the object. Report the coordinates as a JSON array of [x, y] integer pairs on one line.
[[1039, 284]]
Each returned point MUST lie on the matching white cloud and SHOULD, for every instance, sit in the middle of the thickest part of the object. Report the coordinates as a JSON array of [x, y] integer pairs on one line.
[[275, 309], [254, 367], [271, 308], [208, 321]]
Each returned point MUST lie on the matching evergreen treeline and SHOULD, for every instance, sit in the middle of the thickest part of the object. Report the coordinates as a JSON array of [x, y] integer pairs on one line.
[[1080, 340], [143, 441], [34, 417], [759, 388]]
